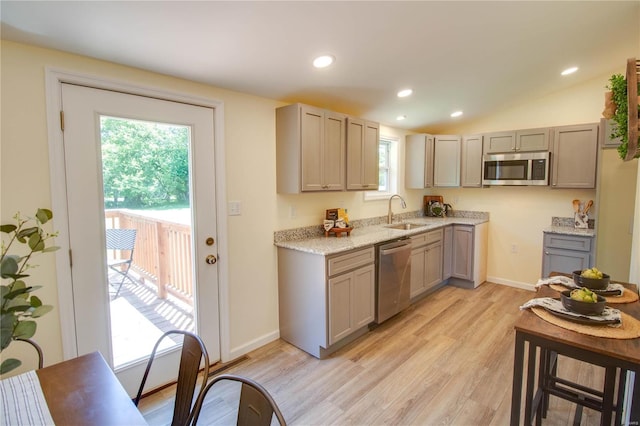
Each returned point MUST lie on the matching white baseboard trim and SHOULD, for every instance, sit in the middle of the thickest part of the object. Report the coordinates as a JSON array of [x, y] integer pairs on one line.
[[516, 284], [254, 344]]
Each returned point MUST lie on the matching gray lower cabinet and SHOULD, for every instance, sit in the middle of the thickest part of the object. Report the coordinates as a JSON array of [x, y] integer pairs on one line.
[[426, 261], [447, 252], [567, 253], [469, 255], [325, 301]]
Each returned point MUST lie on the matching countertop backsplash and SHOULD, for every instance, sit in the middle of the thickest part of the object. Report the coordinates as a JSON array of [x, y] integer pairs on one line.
[[568, 222], [315, 231]]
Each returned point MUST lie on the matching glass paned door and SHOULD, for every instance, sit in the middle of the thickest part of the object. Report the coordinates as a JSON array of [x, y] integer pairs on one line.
[[145, 177]]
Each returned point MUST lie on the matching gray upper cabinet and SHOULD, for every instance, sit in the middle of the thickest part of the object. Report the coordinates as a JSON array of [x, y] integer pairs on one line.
[[310, 149], [528, 140], [574, 156], [606, 127], [418, 161], [533, 139], [499, 142], [472, 161], [446, 162], [363, 139]]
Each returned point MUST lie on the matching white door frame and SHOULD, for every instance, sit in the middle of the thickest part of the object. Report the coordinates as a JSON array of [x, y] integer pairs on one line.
[[53, 80]]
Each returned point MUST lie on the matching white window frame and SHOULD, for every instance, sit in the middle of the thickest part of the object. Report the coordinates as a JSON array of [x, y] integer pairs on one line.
[[394, 143]]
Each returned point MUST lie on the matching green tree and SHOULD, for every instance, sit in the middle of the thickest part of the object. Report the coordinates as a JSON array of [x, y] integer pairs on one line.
[[144, 164]]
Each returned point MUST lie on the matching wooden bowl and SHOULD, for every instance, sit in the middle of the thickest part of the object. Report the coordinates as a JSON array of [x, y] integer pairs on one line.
[[591, 283], [584, 308]]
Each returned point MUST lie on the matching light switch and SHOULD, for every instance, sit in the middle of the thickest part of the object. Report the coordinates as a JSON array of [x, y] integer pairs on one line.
[[234, 208]]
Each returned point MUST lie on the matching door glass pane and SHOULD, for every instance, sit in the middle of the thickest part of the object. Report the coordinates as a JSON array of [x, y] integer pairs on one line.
[[146, 183]]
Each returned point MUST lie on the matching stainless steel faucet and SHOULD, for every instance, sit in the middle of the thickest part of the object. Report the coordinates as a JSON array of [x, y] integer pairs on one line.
[[402, 203]]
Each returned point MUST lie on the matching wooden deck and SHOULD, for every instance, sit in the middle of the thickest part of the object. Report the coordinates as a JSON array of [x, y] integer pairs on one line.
[[139, 317]]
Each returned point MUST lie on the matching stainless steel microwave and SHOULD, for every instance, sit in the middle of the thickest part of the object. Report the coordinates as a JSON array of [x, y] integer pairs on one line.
[[525, 168]]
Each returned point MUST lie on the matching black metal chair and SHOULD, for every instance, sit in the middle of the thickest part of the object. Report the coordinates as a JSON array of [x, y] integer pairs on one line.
[[194, 353], [121, 241], [37, 348], [256, 406]]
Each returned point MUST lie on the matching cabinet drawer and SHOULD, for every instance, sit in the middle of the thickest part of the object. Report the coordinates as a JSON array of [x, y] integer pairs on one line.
[[568, 242], [346, 262], [426, 238]]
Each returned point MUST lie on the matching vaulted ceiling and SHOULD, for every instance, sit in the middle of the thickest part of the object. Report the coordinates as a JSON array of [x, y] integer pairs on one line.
[[474, 56]]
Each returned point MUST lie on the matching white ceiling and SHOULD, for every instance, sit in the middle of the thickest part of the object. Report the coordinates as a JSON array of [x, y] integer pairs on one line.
[[476, 56]]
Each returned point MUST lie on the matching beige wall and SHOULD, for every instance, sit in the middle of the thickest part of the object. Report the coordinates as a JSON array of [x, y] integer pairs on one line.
[[518, 215], [249, 136]]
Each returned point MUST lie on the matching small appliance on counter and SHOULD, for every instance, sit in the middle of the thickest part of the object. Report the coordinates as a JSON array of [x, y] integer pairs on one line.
[[434, 206]]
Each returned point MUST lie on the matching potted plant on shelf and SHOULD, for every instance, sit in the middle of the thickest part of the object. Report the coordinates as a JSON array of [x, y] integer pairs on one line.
[[19, 307]]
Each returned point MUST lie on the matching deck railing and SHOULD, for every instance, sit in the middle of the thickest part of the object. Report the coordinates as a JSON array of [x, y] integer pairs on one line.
[[162, 252]]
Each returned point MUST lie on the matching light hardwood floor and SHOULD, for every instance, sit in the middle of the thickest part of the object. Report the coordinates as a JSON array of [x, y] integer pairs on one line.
[[446, 360]]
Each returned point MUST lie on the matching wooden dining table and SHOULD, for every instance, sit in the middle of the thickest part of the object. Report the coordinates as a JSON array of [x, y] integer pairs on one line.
[[85, 391], [617, 356]]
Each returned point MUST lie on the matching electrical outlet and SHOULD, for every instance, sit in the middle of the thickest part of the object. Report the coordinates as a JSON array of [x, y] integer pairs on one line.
[[514, 248], [292, 212], [234, 208]]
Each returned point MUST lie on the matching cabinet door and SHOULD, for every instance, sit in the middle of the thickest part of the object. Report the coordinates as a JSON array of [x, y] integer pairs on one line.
[[447, 252], [472, 161], [462, 262], [417, 271], [334, 152], [312, 148], [446, 162], [566, 261], [340, 301], [433, 262], [575, 151], [363, 307], [370, 158], [499, 142], [533, 139], [418, 161], [362, 155]]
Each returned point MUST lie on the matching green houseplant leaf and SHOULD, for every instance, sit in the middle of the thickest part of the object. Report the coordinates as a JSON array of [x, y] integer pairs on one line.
[[19, 307]]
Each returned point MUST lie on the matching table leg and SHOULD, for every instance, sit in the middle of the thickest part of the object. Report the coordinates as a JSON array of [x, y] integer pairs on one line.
[[531, 369], [516, 391]]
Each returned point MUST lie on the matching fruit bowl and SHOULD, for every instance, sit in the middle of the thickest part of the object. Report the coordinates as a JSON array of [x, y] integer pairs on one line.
[[592, 283], [584, 308]]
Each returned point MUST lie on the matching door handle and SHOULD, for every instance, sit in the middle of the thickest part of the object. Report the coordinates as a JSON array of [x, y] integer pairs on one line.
[[211, 259]]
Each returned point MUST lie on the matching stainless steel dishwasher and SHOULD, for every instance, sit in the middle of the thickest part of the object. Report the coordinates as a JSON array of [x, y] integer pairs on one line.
[[393, 278]]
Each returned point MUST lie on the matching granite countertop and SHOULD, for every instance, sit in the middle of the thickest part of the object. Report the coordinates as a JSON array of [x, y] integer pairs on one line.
[[570, 230], [369, 235]]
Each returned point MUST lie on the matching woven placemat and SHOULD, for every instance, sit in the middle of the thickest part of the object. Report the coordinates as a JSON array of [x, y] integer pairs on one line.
[[627, 295], [630, 328]]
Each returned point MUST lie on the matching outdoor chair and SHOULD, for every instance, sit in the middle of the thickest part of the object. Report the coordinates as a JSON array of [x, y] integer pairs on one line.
[[193, 354], [256, 406], [121, 241]]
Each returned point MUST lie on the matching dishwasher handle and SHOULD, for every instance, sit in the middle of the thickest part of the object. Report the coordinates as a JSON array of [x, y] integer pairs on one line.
[[393, 249]]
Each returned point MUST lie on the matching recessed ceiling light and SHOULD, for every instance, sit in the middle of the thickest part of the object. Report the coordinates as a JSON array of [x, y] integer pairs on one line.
[[456, 114], [323, 61], [569, 71], [401, 117], [404, 93]]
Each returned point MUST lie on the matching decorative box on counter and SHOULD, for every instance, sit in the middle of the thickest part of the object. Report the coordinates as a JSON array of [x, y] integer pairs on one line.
[[336, 222]]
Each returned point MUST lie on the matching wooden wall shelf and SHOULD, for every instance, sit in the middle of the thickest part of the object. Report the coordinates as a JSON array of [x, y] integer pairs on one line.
[[633, 72]]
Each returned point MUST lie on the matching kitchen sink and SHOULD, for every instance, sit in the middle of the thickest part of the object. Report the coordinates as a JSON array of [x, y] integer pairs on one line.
[[405, 226]]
